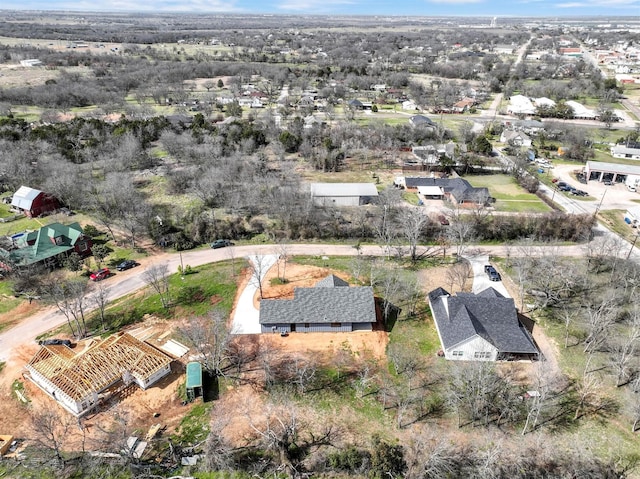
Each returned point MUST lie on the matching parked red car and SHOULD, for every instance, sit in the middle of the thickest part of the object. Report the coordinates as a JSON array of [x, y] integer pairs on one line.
[[100, 274]]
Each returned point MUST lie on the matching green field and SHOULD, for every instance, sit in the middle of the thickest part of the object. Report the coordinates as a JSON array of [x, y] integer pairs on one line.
[[510, 197]]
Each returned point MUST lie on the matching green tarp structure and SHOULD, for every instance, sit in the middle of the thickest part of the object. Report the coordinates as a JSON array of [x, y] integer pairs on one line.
[[194, 380]]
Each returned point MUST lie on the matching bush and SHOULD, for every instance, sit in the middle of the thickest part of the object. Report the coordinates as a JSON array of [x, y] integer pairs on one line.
[[350, 459]]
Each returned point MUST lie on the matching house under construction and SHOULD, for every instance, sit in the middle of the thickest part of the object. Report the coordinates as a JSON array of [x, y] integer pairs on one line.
[[81, 381]]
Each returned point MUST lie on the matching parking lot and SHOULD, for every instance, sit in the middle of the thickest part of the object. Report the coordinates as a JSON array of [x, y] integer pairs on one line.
[[616, 196]]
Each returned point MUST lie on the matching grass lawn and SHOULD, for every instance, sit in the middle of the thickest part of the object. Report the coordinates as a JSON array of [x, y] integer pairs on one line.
[[508, 194], [614, 219], [206, 287], [7, 300], [606, 432], [365, 175], [20, 225]]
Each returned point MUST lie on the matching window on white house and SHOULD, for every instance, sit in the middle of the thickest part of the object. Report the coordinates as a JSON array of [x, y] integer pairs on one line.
[[457, 354], [482, 355]]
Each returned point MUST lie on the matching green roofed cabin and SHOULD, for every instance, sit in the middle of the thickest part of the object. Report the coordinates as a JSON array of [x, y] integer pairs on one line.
[[194, 380], [48, 245]]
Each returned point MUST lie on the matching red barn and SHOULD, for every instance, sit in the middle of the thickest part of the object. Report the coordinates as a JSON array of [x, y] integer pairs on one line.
[[34, 202]]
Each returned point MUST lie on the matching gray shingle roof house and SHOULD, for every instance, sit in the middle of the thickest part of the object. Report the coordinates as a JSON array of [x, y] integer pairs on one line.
[[456, 190], [330, 306], [480, 327], [421, 120]]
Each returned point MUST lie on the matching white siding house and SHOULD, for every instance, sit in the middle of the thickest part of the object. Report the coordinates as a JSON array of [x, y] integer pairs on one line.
[[473, 349], [480, 327], [622, 151]]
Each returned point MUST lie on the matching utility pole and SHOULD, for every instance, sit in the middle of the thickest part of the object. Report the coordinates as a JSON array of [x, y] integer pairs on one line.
[[633, 245]]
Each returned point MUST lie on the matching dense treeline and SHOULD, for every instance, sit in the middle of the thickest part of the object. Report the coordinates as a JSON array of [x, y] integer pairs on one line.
[[86, 161]]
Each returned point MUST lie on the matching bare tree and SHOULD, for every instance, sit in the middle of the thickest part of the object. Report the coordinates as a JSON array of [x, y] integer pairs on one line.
[[259, 265], [460, 232], [543, 381], [283, 251], [291, 433], [458, 274], [588, 394], [600, 316], [100, 299], [209, 336], [302, 371], [157, 276], [50, 428], [413, 224], [623, 352], [70, 299], [218, 451]]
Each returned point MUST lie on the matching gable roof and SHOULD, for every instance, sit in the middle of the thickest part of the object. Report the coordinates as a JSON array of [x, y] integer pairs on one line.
[[343, 189], [514, 135], [48, 241], [487, 314], [24, 196], [322, 304], [331, 281], [97, 367], [459, 188]]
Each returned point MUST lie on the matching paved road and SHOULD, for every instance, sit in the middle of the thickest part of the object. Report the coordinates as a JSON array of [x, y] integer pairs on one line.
[[128, 282]]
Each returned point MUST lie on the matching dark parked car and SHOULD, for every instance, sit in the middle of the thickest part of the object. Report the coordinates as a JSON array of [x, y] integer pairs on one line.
[[561, 184], [608, 183], [443, 220], [492, 273], [66, 211], [579, 193], [126, 264], [55, 342], [100, 274], [221, 243]]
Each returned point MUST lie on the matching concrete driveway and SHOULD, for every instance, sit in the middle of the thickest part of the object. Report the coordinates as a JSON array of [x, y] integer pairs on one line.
[[246, 318], [480, 279]]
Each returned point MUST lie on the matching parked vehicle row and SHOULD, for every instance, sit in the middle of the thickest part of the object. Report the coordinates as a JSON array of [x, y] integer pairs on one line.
[[104, 273], [562, 186]]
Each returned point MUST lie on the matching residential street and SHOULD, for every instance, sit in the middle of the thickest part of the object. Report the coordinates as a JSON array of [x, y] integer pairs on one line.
[[127, 282]]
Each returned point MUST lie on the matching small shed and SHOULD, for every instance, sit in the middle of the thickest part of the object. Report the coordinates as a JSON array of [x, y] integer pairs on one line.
[[194, 380]]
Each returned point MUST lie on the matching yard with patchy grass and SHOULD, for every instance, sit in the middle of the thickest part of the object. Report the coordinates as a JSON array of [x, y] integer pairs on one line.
[[510, 197]]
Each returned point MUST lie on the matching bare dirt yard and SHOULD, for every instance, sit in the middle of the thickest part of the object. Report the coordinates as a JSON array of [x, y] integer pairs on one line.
[[365, 344]]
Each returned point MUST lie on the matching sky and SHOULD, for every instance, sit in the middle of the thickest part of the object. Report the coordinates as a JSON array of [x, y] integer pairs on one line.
[[539, 8]]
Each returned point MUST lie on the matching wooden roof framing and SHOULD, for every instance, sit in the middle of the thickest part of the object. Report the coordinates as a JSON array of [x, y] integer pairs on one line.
[[99, 366]]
